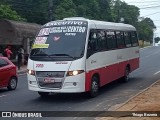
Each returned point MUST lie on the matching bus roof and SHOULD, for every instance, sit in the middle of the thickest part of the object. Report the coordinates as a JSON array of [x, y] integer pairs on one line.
[[111, 25], [100, 24]]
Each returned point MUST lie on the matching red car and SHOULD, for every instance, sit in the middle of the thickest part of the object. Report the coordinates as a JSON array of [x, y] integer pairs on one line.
[[8, 74]]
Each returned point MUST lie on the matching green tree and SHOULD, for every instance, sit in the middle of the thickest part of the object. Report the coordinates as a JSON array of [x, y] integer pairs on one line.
[[65, 9], [105, 12], [145, 29], [130, 13], [7, 13], [157, 39], [37, 10], [94, 9], [90, 9], [33, 10]]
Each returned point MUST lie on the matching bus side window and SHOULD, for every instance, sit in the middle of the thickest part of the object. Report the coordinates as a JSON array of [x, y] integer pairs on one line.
[[92, 42], [120, 39], [101, 40], [111, 40], [134, 38], [127, 39]]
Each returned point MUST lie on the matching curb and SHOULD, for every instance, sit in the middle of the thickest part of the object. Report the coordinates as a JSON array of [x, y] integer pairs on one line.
[[146, 47], [135, 95]]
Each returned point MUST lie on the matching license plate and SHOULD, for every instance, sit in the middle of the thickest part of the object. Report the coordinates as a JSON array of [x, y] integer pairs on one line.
[[49, 80]]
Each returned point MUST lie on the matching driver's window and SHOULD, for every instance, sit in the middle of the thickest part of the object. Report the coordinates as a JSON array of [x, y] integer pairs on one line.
[[92, 42]]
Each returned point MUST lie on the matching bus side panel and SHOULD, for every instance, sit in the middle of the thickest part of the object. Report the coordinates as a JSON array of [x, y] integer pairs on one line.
[[134, 64], [121, 68], [106, 75], [104, 64], [110, 73], [127, 56]]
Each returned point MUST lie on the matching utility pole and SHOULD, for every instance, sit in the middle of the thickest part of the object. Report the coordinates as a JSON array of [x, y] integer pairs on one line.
[[118, 11], [154, 36], [118, 18], [50, 10]]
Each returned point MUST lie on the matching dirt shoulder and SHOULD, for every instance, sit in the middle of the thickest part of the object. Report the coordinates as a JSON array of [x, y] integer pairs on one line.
[[147, 100]]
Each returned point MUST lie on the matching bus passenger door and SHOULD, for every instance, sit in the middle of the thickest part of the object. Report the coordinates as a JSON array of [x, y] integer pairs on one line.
[[92, 60]]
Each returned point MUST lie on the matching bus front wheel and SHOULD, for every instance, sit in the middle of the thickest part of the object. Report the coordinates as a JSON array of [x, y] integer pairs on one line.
[[94, 87]]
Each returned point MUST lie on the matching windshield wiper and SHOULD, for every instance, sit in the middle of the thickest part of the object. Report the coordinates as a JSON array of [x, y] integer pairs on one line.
[[42, 55], [62, 55]]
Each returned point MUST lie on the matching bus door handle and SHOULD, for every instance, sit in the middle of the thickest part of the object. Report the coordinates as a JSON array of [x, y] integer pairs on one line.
[[119, 57]]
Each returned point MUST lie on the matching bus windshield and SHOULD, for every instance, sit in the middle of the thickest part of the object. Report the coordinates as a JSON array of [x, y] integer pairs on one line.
[[65, 42]]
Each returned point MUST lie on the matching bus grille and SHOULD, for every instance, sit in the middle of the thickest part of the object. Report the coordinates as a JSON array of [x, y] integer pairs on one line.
[[50, 79], [50, 74]]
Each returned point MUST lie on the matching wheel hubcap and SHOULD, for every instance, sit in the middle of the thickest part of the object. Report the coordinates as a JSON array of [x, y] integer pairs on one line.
[[13, 83], [95, 87], [127, 75]]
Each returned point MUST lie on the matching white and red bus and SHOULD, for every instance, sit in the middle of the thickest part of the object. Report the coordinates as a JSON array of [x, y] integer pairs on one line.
[[77, 55]]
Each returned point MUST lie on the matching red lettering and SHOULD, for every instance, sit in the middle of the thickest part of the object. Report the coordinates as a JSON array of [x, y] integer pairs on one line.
[[39, 65]]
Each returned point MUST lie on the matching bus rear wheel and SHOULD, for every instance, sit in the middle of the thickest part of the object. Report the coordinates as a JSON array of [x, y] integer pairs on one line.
[[94, 87], [126, 75]]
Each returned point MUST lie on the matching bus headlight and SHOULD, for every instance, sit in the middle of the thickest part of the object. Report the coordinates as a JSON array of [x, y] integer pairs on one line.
[[75, 72], [31, 72]]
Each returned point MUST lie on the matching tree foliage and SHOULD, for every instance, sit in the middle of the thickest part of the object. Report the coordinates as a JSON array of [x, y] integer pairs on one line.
[[129, 13], [145, 29], [87, 8], [32, 10], [7, 13], [157, 39], [37, 11], [65, 9]]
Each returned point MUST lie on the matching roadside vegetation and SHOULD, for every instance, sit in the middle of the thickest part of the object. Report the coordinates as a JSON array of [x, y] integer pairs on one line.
[[39, 11]]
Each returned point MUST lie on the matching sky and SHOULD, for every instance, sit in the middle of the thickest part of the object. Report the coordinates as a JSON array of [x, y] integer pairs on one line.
[[150, 9]]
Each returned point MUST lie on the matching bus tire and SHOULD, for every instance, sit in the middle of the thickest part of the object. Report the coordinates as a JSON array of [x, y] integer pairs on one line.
[[43, 94], [126, 74], [94, 87]]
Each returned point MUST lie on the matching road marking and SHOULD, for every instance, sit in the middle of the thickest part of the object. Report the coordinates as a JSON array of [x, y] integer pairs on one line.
[[3, 96], [157, 73]]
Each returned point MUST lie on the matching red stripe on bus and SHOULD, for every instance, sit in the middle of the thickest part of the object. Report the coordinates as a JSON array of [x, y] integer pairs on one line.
[[110, 73]]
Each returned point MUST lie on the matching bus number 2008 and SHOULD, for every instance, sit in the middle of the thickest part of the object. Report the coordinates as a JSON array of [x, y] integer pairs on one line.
[[39, 65]]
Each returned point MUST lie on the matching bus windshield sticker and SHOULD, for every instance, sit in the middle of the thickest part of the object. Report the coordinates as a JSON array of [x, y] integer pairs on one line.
[[56, 38], [70, 34], [62, 23], [40, 46], [40, 40], [44, 31], [68, 29]]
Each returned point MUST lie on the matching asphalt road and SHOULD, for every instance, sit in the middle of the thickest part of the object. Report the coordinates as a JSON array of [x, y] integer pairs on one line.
[[110, 95]]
